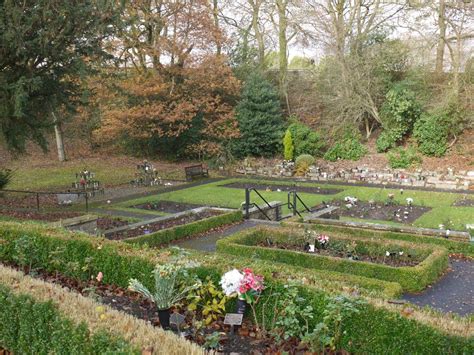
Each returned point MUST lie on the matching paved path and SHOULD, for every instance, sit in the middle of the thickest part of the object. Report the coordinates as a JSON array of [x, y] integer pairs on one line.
[[208, 242], [453, 293]]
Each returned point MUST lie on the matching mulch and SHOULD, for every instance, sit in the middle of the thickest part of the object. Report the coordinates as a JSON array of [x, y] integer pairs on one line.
[[465, 202]]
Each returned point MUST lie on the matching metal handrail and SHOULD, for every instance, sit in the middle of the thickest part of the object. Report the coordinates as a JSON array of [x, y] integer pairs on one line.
[[261, 211], [263, 198]]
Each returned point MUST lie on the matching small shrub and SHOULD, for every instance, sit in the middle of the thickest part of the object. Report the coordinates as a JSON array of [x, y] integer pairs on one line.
[[403, 158], [388, 139], [288, 146], [349, 148], [431, 134], [302, 164], [6, 176], [305, 140]]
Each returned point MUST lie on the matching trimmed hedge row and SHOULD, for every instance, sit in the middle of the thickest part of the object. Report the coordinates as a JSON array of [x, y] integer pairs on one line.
[[413, 278], [116, 331], [379, 328], [166, 236], [453, 246], [30, 327]]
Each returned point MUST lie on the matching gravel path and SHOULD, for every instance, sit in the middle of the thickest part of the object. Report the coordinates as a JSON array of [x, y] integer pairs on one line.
[[208, 242], [453, 293]]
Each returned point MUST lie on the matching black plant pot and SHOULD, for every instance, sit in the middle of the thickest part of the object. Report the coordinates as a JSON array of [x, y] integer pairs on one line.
[[164, 317], [241, 306]]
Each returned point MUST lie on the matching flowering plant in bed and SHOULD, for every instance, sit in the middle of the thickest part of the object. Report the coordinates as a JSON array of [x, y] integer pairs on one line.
[[322, 241], [246, 285]]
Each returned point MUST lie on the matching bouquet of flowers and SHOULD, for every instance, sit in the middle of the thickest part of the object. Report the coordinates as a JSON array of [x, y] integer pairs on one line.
[[322, 240], [246, 285]]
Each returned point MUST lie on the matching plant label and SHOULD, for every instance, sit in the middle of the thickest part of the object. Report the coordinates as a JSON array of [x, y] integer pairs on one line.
[[311, 248], [233, 319], [177, 319]]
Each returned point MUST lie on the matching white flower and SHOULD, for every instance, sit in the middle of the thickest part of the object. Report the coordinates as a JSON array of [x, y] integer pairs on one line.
[[409, 200], [401, 253], [387, 253], [230, 281]]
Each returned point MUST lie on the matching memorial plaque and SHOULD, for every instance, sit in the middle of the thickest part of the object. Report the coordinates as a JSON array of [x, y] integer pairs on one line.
[[177, 319], [233, 319]]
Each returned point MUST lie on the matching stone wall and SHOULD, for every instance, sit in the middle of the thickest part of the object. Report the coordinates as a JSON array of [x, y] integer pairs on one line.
[[448, 180]]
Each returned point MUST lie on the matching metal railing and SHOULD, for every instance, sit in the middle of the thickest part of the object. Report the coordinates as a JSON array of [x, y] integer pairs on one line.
[[292, 202]]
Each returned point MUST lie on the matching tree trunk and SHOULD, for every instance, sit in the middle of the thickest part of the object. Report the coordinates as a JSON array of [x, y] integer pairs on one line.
[[283, 50], [441, 39], [258, 34], [59, 138], [215, 14]]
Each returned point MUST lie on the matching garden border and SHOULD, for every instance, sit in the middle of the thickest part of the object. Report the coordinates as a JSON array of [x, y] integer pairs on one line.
[[411, 278], [378, 328]]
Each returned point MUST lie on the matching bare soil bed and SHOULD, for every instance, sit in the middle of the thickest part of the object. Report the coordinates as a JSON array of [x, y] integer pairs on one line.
[[106, 223], [394, 260], [273, 187], [167, 206], [465, 202], [157, 226], [380, 211], [39, 216]]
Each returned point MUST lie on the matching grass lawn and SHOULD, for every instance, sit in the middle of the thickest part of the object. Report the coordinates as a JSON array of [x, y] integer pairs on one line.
[[214, 195], [59, 176]]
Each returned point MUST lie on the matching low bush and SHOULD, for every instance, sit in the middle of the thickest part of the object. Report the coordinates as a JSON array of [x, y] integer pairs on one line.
[[388, 139], [305, 140], [400, 158], [349, 148], [168, 235], [379, 327], [433, 261], [431, 134], [304, 158]]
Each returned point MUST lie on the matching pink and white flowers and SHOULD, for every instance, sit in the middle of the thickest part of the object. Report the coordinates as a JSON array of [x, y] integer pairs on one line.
[[246, 285], [322, 239]]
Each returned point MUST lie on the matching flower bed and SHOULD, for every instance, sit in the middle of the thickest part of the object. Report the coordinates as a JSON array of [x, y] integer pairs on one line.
[[168, 235], [60, 321], [458, 246], [432, 261], [379, 327]]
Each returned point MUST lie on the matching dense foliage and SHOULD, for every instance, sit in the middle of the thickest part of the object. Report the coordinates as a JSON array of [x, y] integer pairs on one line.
[[305, 140], [400, 158], [46, 48], [288, 147], [260, 119], [431, 134], [348, 148]]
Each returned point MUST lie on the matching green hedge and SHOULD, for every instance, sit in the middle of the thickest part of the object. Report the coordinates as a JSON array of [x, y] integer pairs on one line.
[[413, 278], [454, 246], [166, 236], [375, 330], [30, 327]]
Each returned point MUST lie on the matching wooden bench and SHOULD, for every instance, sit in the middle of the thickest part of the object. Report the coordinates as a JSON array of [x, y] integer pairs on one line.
[[196, 171]]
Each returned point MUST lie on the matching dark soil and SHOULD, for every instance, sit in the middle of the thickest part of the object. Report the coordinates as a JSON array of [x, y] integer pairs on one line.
[[465, 202], [245, 341], [167, 206], [106, 223], [168, 223], [380, 211], [39, 216], [395, 261], [272, 187]]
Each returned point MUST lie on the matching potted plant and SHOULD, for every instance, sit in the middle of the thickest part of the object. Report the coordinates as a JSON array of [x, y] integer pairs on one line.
[[246, 285], [167, 290]]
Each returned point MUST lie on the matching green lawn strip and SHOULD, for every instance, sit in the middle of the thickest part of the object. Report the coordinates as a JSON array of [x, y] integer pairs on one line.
[[433, 261], [138, 211], [378, 328], [452, 217], [215, 195], [168, 235], [31, 327], [453, 246]]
